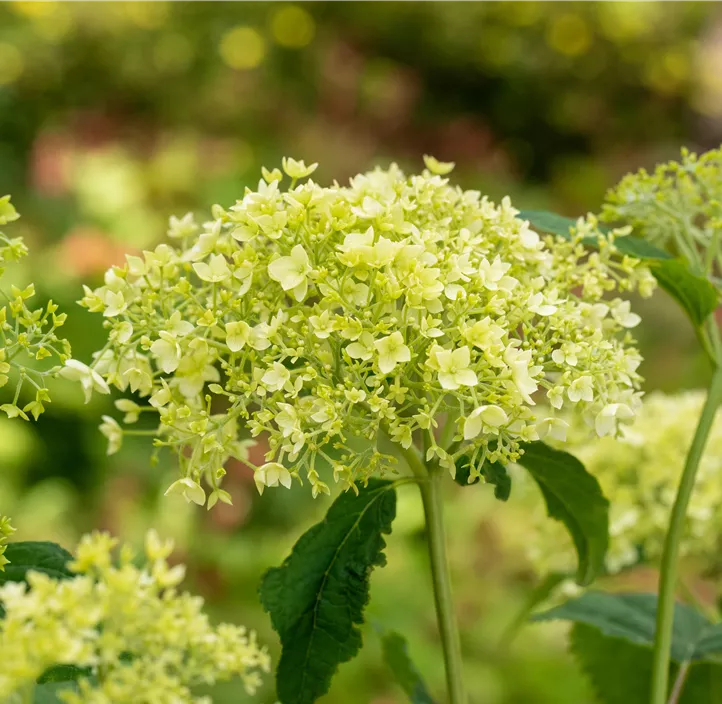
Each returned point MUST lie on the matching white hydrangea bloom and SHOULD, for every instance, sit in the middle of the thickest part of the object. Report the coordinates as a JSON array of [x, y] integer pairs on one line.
[[332, 317]]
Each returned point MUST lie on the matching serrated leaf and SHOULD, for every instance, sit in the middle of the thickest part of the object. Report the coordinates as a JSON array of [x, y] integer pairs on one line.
[[39, 556], [574, 497], [316, 598], [697, 295], [632, 617], [631, 665], [493, 472], [396, 655]]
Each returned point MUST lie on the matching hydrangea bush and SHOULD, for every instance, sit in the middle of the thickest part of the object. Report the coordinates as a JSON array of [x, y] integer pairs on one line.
[[335, 318], [135, 638], [396, 330]]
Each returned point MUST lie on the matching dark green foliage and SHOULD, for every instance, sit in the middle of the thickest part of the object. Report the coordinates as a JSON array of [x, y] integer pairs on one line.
[[621, 672], [37, 556], [396, 655], [317, 596], [696, 295], [633, 618], [574, 497], [493, 473], [63, 673]]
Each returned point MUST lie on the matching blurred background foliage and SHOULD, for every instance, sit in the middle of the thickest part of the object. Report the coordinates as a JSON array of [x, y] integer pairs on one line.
[[115, 115]]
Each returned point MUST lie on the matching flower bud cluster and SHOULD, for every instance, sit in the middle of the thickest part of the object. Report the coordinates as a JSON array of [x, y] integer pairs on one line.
[[29, 343], [129, 626], [639, 473], [6, 530], [677, 207], [342, 321]]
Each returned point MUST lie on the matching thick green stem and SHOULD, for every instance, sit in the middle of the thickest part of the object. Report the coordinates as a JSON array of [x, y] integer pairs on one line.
[[450, 641], [429, 480], [670, 555]]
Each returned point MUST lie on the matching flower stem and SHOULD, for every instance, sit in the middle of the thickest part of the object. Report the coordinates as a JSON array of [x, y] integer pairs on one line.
[[670, 555], [450, 641]]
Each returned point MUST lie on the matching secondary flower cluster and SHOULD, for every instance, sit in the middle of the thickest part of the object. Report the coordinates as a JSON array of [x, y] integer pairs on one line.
[[140, 639], [6, 530], [639, 474], [28, 337], [676, 207], [334, 319]]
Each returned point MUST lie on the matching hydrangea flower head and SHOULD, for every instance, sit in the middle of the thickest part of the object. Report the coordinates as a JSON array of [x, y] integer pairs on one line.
[[140, 638], [639, 473], [335, 318]]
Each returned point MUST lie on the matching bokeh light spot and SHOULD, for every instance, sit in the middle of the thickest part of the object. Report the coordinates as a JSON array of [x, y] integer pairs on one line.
[[569, 34], [148, 15], [242, 48], [34, 9], [292, 27]]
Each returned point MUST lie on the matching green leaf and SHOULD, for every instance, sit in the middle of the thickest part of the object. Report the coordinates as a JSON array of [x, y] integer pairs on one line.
[[493, 473], [599, 656], [633, 618], [641, 249], [550, 223], [574, 497], [317, 597], [697, 296], [396, 655], [64, 673], [554, 224], [37, 556]]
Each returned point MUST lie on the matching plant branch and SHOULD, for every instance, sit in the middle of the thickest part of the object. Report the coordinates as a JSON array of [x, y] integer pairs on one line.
[[670, 555], [679, 683], [450, 641]]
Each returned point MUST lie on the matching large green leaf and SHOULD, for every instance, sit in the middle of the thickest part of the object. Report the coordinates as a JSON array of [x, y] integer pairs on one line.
[[574, 497], [696, 294], [621, 672], [37, 556], [633, 618], [493, 472], [396, 655], [317, 597]]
